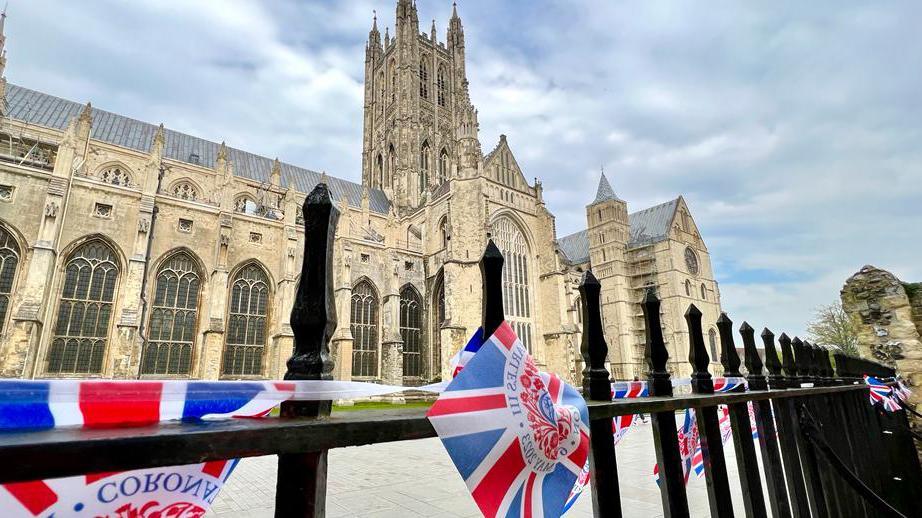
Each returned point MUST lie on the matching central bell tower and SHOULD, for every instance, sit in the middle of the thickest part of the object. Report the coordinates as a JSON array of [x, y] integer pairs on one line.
[[416, 108]]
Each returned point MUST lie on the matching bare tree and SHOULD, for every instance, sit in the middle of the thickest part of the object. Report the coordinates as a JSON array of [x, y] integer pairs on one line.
[[833, 327]]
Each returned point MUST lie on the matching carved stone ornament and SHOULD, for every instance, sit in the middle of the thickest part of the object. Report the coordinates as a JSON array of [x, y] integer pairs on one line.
[[225, 240], [51, 209], [143, 225]]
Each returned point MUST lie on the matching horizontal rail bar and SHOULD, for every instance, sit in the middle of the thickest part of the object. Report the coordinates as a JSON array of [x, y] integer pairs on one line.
[[603, 409], [66, 452]]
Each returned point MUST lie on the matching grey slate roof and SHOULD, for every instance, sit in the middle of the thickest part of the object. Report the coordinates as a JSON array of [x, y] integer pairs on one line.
[[605, 192], [49, 111], [648, 226]]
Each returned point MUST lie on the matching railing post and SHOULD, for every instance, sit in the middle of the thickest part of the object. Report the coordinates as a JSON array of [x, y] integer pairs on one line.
[[301, 488], [491, 279], [765, 425], [665, 436], [603, 465], [786, 419], [815, 494], [712, 450], [746, 461]]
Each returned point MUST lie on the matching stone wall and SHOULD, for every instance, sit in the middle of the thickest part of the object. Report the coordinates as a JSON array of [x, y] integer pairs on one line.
[[889, 313]]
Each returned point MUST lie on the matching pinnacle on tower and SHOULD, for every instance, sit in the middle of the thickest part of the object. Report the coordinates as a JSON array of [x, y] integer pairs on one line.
[[2, 42], [605, 192]]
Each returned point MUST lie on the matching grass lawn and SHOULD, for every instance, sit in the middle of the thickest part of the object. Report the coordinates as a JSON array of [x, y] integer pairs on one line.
[[381, 405]]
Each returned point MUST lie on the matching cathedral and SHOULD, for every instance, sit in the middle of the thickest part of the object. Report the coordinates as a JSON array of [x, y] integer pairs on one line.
[[129, 250]]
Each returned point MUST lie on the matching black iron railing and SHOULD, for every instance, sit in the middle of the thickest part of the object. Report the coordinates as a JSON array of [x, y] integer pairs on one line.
[[825, 451]]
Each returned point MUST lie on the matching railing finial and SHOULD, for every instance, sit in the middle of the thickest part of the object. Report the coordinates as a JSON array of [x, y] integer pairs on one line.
[[787, 360], [655, 352], [596, 379], [313, 315], [491, 275], [697, 353], [729, 358], [772, 363], [801, 360], [753, 362]]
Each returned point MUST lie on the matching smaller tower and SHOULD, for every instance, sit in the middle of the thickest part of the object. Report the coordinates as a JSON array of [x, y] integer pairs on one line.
[[608, 234]]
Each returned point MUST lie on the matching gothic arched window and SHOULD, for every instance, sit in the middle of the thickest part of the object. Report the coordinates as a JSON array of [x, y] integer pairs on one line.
[[440, 86], [443, 231], [378, 180], [9, 260], [391, 164], [712, 343], [704, 293], [411, 330], [185, 191], [247, 322], [443, 165], [116, 175], [424, 77], [173, 318], [85, 311], [393, 68], [364, 324], [516, 281], [688, 288], [424, 153], [246, 205]]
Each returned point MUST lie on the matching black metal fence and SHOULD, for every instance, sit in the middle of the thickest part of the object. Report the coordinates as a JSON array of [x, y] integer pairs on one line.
[[825, 451]]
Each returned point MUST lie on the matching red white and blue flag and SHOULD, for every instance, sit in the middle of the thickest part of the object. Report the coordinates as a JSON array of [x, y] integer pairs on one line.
[[689, 445], [882, 393], [518, 437]]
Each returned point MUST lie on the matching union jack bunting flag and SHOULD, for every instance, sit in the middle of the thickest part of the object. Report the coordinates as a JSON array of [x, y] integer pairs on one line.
[[180, 491], [728, 384], [459, 360], [901, 391], [881, 393], [518, 437]]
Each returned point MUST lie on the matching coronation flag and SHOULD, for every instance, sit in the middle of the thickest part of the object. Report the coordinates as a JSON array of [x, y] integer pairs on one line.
[[177, 492], [518, 437], [881, 393]]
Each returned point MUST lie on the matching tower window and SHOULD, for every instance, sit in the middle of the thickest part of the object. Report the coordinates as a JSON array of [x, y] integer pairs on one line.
[[424, 78], [443, 165], [424, 167], [393, 68], [391, 164], [440, 85]]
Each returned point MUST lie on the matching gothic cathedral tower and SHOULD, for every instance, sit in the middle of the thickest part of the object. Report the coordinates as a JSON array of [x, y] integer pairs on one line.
[[416, 107], [608, 233]]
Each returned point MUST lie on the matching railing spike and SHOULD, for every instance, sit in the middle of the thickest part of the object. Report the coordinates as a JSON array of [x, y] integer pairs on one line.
[[801, 361], [787, 360], [313, 315], [697, 352], [491, 275], [772, 362], [753, 361], [655, 352], [596, 380], [729, 358]]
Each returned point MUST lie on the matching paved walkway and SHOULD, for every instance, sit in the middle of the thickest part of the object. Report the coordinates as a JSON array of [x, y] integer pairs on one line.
[[416, 478]]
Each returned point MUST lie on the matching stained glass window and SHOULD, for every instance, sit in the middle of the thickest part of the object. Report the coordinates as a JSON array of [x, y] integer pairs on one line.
[[173, 318], [85, 310], [364, 325], [9, 260], [246, 329], [411, 330]]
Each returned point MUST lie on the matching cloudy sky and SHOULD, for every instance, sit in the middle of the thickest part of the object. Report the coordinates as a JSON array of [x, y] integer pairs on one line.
[[791, 128]]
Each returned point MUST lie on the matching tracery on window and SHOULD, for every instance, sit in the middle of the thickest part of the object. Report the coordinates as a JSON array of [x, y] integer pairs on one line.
[[85, 309], [516, 281], [173, 318], [411, 330], [440, 86], [424, 78], [424, 167], [116, 175], [443, 166], [364, 325], [247, 322], [185, 191], [9, 261]]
